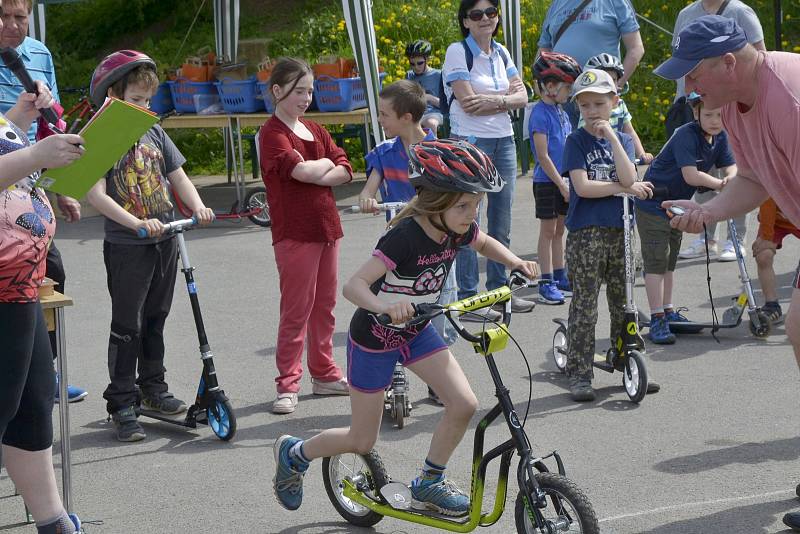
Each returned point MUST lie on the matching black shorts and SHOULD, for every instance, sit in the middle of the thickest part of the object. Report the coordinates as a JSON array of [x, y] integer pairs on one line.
[[549, 202]]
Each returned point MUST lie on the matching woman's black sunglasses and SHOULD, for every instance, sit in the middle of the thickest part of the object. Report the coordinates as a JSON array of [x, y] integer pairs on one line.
[[477, 14]]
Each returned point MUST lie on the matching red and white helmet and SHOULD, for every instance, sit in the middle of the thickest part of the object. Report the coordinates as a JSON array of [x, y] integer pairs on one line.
[[113, 67]]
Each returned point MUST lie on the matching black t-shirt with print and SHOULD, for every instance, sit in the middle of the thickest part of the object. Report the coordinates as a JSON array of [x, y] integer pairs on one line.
[[417, 267], [138, 182]]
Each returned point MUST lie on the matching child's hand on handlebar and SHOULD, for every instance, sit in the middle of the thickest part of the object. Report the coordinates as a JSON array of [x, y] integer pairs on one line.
[[641, 190], [153, 227], [204, 216], [646, 158], [529, 268], [368, 205], [722, 183], [400, 312]]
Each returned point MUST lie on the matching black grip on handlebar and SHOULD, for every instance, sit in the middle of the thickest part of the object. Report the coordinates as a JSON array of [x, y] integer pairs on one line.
[[702, 189], [384, 319], [661, 193]]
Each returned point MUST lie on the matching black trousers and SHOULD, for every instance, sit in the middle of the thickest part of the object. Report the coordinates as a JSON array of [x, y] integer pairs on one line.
[[141, 280], [27, 379]]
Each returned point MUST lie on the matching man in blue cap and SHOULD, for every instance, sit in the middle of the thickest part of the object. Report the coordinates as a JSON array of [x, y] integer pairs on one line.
[[759, 93]]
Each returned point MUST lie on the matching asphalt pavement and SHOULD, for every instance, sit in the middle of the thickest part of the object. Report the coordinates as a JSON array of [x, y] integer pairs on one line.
[[716, 451]]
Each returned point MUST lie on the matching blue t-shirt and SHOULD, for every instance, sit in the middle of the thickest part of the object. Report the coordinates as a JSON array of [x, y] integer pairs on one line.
[[430, 80], [552, 121], [598, 28], [390, 159], [594, 155], [37, 59], [686, 148]]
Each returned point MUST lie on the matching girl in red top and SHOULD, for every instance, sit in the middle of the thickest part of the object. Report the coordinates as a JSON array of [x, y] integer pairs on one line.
[[299, 165]]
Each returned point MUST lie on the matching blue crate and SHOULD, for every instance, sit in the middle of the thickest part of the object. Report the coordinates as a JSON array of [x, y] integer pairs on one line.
[[161, 102], [183, 93], [262, 88], [340, 94], [240, 96]]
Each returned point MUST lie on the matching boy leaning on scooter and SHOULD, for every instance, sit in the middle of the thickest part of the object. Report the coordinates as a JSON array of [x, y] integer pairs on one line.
[[134, 195], [682, 166], [599, 163]]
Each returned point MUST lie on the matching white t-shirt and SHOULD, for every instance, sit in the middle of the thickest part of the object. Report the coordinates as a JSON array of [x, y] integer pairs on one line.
[[486, 77], [736, 10]]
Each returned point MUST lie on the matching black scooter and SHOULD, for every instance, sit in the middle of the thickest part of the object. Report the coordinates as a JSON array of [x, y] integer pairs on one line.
[[211, 407]]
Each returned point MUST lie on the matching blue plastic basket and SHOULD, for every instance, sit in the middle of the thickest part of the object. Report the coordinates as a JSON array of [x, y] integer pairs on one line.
[[240, 96], [162, 101], [183, 93], [262, 88], [340, 94]]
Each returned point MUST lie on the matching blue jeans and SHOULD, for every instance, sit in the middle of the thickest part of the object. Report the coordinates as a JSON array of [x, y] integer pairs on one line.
[[503, 153], [448, 295]]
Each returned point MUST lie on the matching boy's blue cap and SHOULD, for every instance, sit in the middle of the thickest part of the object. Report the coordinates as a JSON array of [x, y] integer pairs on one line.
[[708, 36]]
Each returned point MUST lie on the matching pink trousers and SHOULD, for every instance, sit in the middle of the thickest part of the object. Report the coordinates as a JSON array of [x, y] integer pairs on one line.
[[308, 280]]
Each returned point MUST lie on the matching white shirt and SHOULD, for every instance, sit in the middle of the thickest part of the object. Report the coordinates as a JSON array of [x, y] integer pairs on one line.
[[487, 77]]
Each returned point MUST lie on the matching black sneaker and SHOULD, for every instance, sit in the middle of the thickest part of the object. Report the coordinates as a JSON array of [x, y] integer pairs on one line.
[[434, 397], [792, 520], [653, 387], [127, 425], [164, 403], [581, 390]]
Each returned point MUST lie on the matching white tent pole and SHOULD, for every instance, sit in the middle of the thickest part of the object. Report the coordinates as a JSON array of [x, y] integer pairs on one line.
[[36, 26], [226, 28]]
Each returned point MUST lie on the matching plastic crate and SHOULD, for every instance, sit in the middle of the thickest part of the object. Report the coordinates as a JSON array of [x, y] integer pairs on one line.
[[340, 94], [262, 88], [162, 101], [240, 96], [183, 93]]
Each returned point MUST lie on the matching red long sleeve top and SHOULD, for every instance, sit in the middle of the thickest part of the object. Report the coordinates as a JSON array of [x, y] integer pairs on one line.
[[300, 211]]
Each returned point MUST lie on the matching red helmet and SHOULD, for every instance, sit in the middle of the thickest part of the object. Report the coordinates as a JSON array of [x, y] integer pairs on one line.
[[449, 165], [554, 65], [113, 67]]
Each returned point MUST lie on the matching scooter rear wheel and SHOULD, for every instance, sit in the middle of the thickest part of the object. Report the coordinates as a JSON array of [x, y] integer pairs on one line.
[[399, 410], [256, 199], [634, 377], [568, 509], [368, 467], [221, 419], [560, 348]]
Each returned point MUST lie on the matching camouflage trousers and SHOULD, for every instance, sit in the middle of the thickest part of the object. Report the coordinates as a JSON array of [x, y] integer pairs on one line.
[[594, 256]]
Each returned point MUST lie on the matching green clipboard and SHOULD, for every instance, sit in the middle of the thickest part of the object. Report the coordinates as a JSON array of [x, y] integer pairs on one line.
[[111, 132]]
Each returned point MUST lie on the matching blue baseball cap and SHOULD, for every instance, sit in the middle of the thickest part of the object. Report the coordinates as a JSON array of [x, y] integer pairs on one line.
[[708, 36]]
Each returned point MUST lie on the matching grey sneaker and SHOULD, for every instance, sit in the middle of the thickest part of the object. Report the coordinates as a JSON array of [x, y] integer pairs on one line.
[[482, 315], [127, 424], [164, 403], [521, 305], [581, 390]]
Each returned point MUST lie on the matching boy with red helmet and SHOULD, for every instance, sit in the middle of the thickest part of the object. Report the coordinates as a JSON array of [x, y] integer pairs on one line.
[[141, 273]]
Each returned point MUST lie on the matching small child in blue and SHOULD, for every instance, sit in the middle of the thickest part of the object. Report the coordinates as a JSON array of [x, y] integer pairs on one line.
[[409, 264], [621, 117], [429, 78], [599, 162], [400, 110], [682, 166], [548, 128]]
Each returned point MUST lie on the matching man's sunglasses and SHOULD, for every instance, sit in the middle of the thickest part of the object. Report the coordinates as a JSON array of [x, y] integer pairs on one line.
[[477, 14], [417, 63]]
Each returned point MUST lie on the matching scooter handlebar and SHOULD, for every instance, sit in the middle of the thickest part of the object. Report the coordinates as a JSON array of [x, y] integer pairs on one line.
[[172, 228], [382, 207]]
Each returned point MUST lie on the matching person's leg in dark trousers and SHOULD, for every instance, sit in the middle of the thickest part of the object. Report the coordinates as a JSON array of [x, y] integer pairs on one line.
[[156, 309], [130, 270]]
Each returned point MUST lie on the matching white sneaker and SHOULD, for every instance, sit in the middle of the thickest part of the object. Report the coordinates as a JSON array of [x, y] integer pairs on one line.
[[284, 403], [729, 253], [336, 387], [697, 249]]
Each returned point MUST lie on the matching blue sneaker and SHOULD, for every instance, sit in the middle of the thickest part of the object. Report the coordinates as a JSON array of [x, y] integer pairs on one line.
[[439, 495], [76, 522], [288, 480], [549, 293], [675, 316], [74, 393], [659, 331], [564, 286]]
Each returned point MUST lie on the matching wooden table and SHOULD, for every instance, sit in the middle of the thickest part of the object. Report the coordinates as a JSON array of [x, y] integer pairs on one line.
[[53, 306]]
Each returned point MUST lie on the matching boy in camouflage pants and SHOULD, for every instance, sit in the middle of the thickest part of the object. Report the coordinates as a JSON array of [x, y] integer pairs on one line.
[[599, 163]]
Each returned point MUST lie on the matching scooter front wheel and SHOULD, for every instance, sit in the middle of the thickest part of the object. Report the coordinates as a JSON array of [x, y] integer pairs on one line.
[[221, 418], [256, 201], [560, 348], [567, 510], [367, 472], [762, 326], [634, 376]]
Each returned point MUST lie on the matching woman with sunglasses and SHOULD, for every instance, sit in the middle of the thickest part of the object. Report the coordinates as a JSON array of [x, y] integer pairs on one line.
[[597, 28], [481, 93]]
